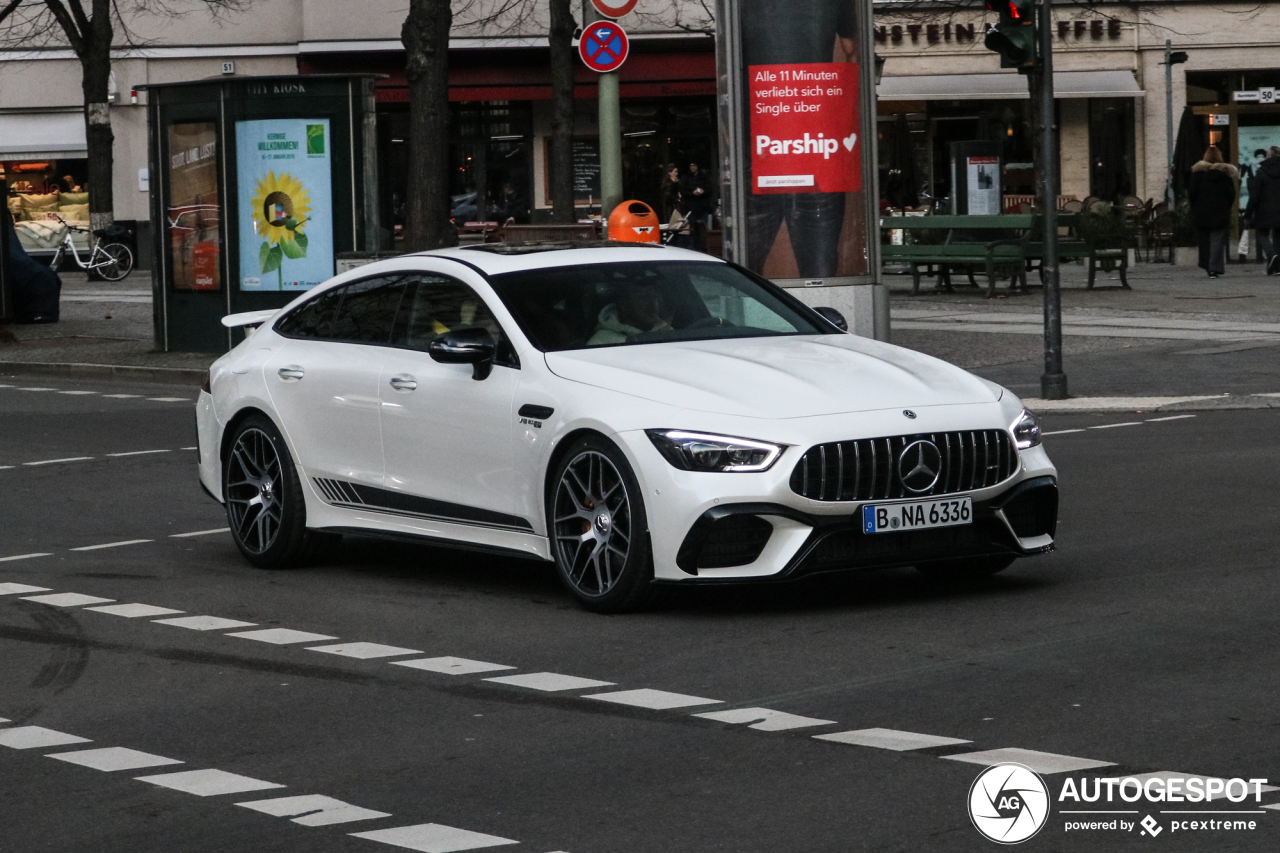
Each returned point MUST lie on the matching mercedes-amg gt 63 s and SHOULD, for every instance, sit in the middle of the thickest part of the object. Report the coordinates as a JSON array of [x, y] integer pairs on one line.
[[637, 415]]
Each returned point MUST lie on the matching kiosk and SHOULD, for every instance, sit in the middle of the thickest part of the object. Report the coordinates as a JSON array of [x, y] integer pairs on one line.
[[257, 184]]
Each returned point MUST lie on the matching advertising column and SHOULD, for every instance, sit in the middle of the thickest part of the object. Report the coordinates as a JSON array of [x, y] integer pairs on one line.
[[798, 170]]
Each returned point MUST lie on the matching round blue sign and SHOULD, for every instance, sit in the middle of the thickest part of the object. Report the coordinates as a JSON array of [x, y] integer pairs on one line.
[[603, 46]]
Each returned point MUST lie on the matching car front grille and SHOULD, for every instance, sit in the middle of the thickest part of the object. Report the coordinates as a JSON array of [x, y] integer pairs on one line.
[[868, 469]]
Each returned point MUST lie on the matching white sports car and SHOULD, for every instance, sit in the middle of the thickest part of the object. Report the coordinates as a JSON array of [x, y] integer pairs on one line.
[[637, 415]]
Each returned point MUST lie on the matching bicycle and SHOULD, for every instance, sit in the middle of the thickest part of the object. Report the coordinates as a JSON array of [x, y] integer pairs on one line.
[[111, 261]]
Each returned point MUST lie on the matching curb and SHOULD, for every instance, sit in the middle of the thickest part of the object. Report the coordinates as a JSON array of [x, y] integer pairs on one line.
[[121, 372], [1106, 405]]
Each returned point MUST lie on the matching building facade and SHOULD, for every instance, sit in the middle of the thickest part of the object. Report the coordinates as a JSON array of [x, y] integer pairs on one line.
[[939, 85]]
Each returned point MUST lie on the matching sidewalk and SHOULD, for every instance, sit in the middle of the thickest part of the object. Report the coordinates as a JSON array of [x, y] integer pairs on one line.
[[1175, 334], [101, 324]]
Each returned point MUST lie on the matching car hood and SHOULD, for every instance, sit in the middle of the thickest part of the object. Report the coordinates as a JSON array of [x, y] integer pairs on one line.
[[778, 377]]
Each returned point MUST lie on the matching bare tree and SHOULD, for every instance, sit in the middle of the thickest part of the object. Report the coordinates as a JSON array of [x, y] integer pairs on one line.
[[426, 41], [90, 28]]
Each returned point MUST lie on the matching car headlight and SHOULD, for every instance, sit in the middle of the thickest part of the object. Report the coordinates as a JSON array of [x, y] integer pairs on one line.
[[697, 451], [1026, 430]]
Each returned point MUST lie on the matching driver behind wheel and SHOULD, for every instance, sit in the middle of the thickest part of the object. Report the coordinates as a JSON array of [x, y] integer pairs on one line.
[[638, 309]]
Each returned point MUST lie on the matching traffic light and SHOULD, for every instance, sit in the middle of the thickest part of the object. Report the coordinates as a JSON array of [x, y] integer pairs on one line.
[[1014, 38]]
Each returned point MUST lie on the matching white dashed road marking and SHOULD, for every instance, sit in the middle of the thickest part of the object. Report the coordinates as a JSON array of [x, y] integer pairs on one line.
[[133, 611], [77, 393], [364, 651], [1170, 418], [1040, 762], [452, 665], [208, 783], [15, 588], [113, 758], [433, 838], [1113, 426], [66, 599], [765, 720], [35, 389], [113, 545], [281, 636], [315, 810], [204, 623], [1062, 431], [22, 557], [121, 396], [891, 739], [549, 681], [170, 399], [200, 533], [658, 700], [57, 461], [138, 453], [36, 737]]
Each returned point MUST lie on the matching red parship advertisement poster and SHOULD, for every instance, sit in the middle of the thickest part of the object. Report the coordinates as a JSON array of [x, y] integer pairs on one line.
[[804, 128]]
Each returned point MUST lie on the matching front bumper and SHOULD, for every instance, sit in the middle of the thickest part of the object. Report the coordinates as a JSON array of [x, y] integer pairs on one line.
[[1019, 522]]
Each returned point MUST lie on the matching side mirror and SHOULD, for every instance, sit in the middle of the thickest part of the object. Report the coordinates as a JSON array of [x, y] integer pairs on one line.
[[834, 317], [466, 346]]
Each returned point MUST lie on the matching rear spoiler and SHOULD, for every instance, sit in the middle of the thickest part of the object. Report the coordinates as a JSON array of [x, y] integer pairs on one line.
[[249, 318]]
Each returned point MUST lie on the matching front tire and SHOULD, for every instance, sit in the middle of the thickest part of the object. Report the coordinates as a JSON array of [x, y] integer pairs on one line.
[[598, 528], [265, 506], [960, 571]]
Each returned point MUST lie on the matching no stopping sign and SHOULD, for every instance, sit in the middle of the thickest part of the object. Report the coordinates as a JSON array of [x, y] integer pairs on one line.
[[603, 46]]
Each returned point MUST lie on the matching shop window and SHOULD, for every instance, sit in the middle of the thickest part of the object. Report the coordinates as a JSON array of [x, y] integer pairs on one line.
[[1111, 148]]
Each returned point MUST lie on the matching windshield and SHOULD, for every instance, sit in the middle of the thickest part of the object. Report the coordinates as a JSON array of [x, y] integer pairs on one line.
[[603, 305]]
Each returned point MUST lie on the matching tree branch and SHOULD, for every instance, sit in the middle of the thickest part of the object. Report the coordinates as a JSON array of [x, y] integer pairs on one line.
[[60, 14], [9, 9]]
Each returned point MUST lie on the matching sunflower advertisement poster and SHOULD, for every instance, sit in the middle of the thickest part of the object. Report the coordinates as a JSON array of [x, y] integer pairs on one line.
[[286, 199]]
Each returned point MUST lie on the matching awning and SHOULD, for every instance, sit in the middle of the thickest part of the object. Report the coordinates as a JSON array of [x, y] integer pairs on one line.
[[42, 136], [995, 87]]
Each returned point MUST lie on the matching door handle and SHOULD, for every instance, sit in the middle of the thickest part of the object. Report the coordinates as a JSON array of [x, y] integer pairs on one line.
[[291, 372], [404, 383]]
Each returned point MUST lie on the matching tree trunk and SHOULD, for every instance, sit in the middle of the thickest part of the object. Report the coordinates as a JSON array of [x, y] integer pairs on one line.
[[562, 63], [426, 39], [95, 64]]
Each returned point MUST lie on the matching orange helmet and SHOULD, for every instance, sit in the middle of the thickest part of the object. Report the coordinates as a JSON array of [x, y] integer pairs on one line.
[[634, 222]]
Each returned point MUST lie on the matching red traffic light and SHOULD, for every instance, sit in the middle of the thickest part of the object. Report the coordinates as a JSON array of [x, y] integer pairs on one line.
[[1012, 10]]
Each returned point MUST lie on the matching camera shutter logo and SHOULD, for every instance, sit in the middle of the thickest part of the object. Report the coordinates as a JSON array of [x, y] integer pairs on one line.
[[1008, 803]]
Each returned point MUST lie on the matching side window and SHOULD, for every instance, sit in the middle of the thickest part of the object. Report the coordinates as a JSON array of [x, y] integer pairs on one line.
[[313, 318], [368, 310], [435, 305]]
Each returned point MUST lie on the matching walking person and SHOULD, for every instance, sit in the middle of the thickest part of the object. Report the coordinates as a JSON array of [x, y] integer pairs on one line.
[[1263, 211], [673, 209], [698, 197], [1212, 191]]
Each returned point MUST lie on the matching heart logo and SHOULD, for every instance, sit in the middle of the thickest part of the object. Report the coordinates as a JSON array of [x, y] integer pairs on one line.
[[849, 141]]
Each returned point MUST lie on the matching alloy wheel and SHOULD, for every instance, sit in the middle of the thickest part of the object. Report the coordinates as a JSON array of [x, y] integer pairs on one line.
[[592, 523], [253, 490]]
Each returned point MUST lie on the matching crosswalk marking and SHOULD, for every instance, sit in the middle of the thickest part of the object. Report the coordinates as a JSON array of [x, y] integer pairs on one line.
[[281, 636], [1040, 762], [208, 783], [364, 651], [764, 719], [548, 681], [314, 810], [891, 739], [452, 666], [657, 700], [66, 599], [204, 623], [433, 838], [112, 758], [36, 737], [133, 611], [15, 588]]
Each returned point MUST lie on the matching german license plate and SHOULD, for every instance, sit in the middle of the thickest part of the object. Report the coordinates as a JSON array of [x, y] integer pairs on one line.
[[917, 515]]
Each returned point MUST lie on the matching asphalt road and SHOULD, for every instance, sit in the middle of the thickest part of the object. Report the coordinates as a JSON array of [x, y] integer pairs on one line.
[[1146, 641]]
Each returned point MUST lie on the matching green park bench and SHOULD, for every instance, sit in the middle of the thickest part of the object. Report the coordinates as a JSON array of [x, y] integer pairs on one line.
[[990, 242]]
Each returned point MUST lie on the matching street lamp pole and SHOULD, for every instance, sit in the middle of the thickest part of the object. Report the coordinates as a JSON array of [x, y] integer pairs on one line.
[[1053, 384]]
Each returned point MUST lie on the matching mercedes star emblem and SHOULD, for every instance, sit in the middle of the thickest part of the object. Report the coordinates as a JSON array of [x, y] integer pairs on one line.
[[919, 466], [908, 413]]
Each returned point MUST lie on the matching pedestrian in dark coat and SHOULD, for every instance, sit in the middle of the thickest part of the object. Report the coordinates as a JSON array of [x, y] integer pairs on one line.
[[1263, 212], [1212, 191]]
